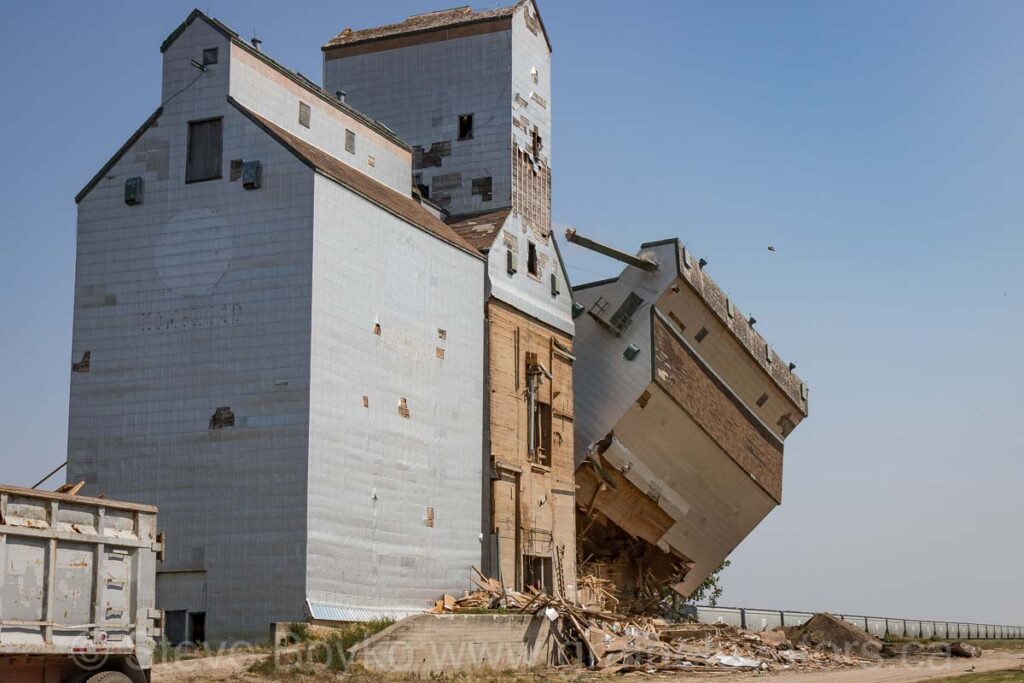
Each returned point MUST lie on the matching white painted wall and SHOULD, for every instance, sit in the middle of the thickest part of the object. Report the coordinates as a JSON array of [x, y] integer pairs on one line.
[[209, 295], [606, 384], [529, 294], [530, 51], [419, 92], [266, 91], [195, 299], [374, 473]]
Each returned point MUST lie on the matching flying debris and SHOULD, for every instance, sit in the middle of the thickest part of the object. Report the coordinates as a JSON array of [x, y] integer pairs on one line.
[[771, 248]]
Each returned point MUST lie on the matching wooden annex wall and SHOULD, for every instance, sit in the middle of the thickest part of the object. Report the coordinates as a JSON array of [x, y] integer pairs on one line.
[[533, 505]]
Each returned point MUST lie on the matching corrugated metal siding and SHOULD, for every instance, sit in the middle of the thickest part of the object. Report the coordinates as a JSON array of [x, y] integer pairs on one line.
[[896, 627], [402, 89], [876, 626], [719, 615], [323, 611], [374, 470], [194, 299], [762, 620], [859, 622], [796, 618]]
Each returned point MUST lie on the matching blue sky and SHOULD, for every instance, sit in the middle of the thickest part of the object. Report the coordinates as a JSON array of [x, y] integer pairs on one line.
[[878, 146]]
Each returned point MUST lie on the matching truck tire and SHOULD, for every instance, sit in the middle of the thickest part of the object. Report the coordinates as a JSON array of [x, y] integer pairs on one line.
[[108, 677]]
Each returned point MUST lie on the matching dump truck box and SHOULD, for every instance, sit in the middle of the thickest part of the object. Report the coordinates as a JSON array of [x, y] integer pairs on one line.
[[77, 583]]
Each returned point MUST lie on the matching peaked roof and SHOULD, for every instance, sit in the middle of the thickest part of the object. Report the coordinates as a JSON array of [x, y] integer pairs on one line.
[[479, 229], [392, 201], [152, 120], [429, 21], [295, 76]]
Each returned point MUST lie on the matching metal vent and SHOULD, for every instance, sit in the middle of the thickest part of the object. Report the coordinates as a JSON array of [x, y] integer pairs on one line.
[[133, 191], [252, 175]]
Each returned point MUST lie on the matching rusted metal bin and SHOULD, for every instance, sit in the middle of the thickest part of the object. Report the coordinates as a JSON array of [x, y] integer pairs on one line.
[[77, 578]]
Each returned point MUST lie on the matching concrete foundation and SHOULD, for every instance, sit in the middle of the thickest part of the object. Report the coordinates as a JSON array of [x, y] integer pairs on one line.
[[427, 644]]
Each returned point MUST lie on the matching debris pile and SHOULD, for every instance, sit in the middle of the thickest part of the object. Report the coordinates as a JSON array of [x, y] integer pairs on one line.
[[595, 636], [595, 592], [826, 632]]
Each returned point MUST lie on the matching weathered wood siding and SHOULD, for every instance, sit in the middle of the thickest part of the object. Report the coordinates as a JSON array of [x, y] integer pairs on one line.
[[528, 495]]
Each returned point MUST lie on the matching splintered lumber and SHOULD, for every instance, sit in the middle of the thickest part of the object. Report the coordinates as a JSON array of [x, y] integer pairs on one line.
[[70, 489], [613, 642]]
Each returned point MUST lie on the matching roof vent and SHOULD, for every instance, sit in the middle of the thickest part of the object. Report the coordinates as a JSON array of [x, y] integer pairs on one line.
[[340, 94], [256, 42]]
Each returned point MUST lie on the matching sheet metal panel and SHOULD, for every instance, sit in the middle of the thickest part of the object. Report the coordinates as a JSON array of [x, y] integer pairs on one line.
[[876, 626], [199, 298], [720, 615], [927, 629], [323, 611], [859, 622], [897, 627], [795, 618], [762, 620], [912, 629], [941, 629]]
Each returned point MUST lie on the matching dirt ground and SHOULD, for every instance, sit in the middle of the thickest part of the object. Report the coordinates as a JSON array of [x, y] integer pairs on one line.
[[233, 669]]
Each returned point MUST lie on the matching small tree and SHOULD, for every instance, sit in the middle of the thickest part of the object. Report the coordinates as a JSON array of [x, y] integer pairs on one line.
[[710, 589]]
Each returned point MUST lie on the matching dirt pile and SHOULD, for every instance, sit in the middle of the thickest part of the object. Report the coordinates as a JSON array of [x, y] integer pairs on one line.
[[826, 632], [960, 649]]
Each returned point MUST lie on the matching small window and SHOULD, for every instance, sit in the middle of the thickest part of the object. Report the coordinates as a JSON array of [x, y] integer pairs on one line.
[[599, 307], [304, 114], [204, 150], [542, 434], [466, 127], [350, 141], [484, 188], [761, 401], [534, 75], [209, 56], [421, 187], [531, 259], [623, 317], [701, 333]]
